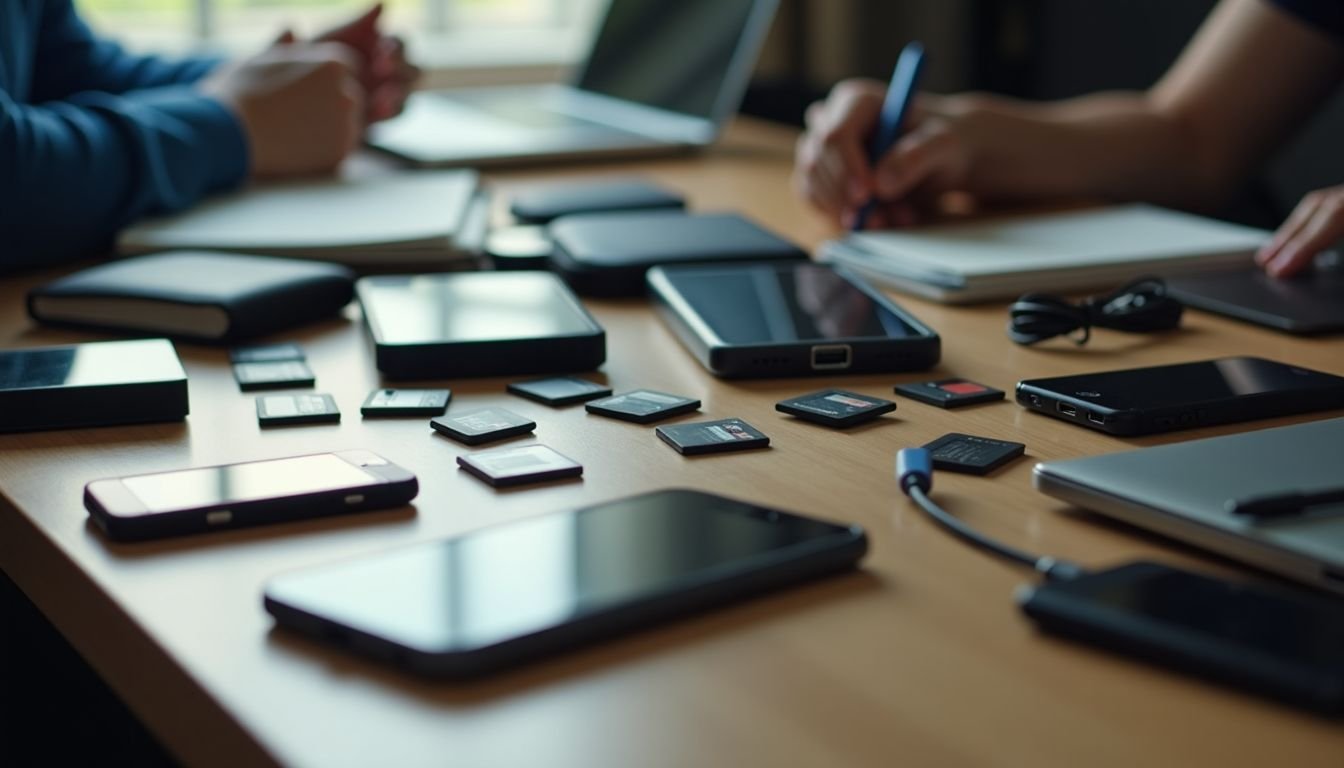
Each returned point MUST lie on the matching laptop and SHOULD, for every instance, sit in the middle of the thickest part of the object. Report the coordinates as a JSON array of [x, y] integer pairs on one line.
[[1061, 251], [1310, 304], [1182, 490], [660, 77]]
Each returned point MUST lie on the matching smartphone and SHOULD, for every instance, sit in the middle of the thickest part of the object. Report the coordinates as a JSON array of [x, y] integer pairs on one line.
[[496, 597], [251, 493], [788, 319], [1284, 645], [1140, 401]]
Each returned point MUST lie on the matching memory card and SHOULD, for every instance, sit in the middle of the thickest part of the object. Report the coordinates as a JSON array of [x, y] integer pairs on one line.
[[973, 455], [642, 406], [276, 410], [835, 407], [712, 437], [281, 374], [269, 353], [523, 464], [405, 402], [561, 390], [950, 393], [483, 426]]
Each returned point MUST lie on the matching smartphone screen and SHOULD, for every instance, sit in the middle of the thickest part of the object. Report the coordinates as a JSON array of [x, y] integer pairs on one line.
[[772, 304], [253, 481], [519, 580]]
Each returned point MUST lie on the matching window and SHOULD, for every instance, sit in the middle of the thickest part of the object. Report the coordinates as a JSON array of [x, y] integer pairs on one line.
[[440, 32]]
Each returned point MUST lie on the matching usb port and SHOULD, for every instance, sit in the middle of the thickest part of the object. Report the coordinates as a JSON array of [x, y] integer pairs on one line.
[[1096, 418], [1066, 409], [830, 356]]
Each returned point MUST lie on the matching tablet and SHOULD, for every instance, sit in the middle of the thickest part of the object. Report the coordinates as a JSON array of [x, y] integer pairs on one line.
[[495, 597], [478, 324], [788, 319], [1310, 304]]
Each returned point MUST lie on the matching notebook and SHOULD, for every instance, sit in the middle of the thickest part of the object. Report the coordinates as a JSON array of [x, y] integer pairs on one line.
[[407, 218], [1182, 490], [658, 77], [203, 296], [1006, 257]]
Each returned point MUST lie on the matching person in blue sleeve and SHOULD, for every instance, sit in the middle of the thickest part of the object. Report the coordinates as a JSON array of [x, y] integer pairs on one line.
[[93, 138], [1254, 71]]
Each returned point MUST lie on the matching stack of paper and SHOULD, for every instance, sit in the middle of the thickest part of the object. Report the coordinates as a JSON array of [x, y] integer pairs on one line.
[[1053, 252], [394, 218]]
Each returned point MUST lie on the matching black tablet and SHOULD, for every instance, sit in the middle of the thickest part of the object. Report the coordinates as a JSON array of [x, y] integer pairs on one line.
[[1309, 304], [478, 324], [788, 319], [495, 597]]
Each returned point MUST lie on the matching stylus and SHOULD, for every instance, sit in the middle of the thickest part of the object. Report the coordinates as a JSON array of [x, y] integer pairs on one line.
[[1283, 504], [895, 107]]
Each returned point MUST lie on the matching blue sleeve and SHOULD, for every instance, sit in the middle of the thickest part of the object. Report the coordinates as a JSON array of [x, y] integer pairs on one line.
[[69, 59], [74, 172]]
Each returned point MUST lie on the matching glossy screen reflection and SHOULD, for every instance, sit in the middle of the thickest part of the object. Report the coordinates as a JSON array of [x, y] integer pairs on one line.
[[521, 578], [490, 306], [209, 486], [786, 303], [1190, 382]]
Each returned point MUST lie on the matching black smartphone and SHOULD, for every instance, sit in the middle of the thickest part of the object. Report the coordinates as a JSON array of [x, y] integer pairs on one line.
[[1140, 401], [493, 598], [250, 493], [1284, 645], [788, 319]]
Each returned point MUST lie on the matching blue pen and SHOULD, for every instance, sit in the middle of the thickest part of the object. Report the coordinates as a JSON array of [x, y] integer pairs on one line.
[[895, 107]]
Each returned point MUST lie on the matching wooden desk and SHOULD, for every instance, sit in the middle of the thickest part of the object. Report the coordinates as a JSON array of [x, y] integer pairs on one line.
[[920, 659]]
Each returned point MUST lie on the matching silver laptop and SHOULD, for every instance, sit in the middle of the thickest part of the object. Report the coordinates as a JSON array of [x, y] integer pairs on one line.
[[660, 77], [1182, 490]]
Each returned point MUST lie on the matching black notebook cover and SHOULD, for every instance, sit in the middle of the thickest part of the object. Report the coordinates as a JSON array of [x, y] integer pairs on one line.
[[213, 297], [607, 254]]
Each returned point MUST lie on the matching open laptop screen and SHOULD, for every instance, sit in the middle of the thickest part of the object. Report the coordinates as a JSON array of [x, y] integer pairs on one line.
[[677, 56]]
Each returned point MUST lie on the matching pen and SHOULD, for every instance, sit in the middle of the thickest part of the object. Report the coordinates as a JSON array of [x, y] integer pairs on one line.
[[1282, 504], [895, 107]]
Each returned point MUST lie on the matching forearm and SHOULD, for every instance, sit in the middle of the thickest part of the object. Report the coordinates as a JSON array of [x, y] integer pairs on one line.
[[1115, 146], [72, 174]]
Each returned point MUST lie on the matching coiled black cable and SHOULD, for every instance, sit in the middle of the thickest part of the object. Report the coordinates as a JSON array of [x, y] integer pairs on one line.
[[1140, 306]]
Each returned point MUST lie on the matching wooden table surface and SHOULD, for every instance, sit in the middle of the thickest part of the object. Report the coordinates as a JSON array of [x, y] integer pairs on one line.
[[920, 658]]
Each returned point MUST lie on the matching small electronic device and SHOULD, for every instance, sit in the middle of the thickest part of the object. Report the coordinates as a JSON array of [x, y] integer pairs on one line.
[[719, 436], [949, 393], [484, 426], [493, 598], [519, 248], [284, 410], [642, 406], [1140, 401], [405, 402], [558, 391], [1288, 646], [838, 408], [1312, 303], [503, 467], [251, 493], [91, 385], [972, 455], [541, 205], [478, 324], [269, 353], [273, 374], [788, 319]]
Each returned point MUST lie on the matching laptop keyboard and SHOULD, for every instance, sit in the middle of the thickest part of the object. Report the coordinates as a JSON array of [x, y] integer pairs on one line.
[[524, 113]]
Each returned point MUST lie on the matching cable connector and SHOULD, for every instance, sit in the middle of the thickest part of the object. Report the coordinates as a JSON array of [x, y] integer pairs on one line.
[[1059, 570], [914, 468]]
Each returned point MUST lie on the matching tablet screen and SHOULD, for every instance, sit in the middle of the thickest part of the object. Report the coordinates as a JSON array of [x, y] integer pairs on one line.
[[768, 304]]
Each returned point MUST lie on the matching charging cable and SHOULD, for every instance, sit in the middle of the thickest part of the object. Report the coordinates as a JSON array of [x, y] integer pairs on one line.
[[1141, 306], [914, 472]]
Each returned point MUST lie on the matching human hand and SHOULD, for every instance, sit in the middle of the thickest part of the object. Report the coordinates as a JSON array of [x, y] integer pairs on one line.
[[384, 72], [1316, 224], [299, 104], [833, 173]]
